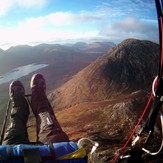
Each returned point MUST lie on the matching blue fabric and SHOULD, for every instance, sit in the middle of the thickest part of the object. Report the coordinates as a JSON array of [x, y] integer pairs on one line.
[[48, 161], [61, 149]]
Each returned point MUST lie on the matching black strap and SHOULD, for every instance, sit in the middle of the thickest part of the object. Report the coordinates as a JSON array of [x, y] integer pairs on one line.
[[159, 90], [52, 150], [32, 155], [9, 152], [159, 3], [153, 116]]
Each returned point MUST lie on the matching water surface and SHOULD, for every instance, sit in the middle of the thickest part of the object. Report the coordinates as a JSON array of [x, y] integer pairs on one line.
[[20, 72]]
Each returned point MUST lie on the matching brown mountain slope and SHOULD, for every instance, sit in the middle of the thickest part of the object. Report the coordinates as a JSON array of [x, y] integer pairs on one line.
[[105, 100], [103, 119], [130, 66]]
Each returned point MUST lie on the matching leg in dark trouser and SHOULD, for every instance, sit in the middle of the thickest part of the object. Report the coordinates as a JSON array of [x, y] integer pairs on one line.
[[16, 133], [48, 128]]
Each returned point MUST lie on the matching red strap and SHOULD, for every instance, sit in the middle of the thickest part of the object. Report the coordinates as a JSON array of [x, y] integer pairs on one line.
[[136, 127]]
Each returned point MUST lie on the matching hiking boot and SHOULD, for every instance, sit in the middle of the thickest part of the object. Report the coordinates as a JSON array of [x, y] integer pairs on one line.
[[39, 101], [38, 84], [16, 133], [47, 126]]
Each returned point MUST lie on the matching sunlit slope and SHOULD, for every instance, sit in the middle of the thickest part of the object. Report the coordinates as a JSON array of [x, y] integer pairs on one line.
[[128, 67], [105, 100]]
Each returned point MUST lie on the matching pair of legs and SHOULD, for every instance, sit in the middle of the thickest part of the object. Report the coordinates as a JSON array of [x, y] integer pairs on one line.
[[47, 126]]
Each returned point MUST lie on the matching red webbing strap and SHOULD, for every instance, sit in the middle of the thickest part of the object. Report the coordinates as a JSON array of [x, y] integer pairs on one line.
[[136, 127]]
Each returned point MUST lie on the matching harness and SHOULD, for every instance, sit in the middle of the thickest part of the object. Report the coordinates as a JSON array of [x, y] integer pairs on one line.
[[157, 97]]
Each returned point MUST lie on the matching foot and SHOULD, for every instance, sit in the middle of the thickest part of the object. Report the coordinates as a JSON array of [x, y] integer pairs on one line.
[[39, 101], [38, 84], [16, 92]]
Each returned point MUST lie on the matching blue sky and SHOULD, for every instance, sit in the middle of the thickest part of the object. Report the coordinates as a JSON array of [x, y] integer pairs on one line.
[[63, 21]]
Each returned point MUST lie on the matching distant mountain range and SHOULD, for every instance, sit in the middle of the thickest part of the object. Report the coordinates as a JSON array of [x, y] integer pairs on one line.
[[64, 60], [92, 47], [104, 100], [2, 51]]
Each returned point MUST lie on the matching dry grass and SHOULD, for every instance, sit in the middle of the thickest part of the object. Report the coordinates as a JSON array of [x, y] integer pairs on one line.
[[31, 126]]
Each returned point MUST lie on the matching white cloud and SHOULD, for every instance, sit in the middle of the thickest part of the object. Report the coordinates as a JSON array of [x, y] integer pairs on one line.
[[40, 30], [81, 25], [150, 20], [133, 24], [61, 19], [51, 27], [7, 5], [69, 18], [31, 3], [131, 27], [121, 8]]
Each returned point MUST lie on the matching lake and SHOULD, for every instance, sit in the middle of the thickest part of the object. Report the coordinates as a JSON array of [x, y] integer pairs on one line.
[[20, 72]]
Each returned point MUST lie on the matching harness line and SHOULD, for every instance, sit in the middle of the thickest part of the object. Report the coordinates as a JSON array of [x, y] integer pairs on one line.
[[136, 127]]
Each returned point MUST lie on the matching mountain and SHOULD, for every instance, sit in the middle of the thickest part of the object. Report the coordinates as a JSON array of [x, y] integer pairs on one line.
[[2, 51], [79, 45], [94, 46], [105, 100], [18, 49], [128, 67]]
